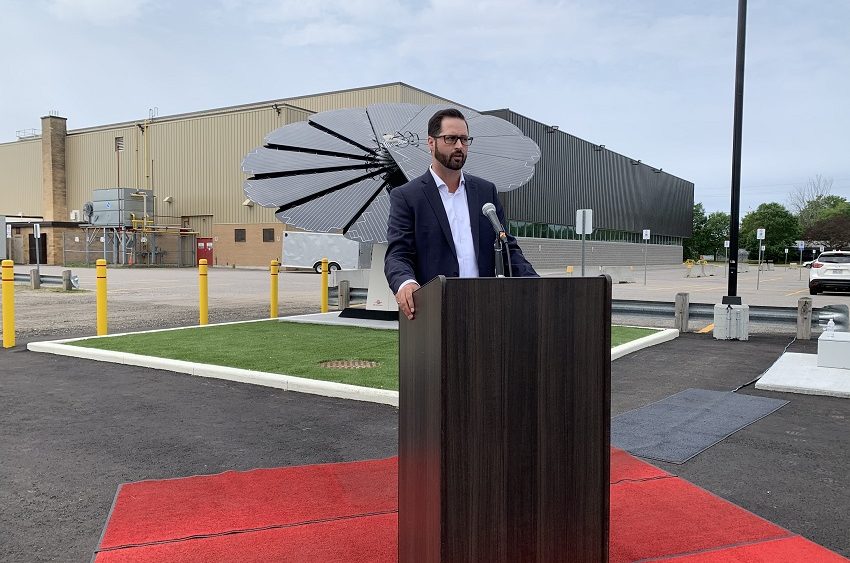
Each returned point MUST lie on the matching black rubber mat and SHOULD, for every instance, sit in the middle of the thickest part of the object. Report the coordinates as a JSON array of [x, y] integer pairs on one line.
[[681, 426]]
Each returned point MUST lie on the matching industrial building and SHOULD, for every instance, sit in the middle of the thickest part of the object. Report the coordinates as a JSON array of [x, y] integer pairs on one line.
[[168, 190]]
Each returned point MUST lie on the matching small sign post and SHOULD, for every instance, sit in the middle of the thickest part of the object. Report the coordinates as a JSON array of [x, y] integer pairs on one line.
[[36, 232], [801, 245], [760, 237], [726, 268], [646, 235], [584, 227]]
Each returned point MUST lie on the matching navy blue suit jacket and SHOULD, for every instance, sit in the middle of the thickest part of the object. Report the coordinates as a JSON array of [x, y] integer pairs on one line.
[[420, 244]]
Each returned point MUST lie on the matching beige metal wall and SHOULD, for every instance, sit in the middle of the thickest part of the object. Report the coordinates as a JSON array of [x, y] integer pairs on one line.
[[359, 97], [194, 159], [20, 177], [92, 163]]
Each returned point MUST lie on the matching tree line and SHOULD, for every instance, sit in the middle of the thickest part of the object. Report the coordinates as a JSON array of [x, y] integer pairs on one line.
[[816, 216]]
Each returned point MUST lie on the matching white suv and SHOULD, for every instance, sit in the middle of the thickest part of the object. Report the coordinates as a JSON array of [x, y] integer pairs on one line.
[[830, 272]]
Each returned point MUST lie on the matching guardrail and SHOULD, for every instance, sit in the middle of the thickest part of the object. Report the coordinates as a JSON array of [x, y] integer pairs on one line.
[[50, 280], [760, 313], [839, 314]]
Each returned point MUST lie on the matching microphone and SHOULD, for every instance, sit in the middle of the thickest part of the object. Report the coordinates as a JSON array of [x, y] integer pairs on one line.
[[489, 211]]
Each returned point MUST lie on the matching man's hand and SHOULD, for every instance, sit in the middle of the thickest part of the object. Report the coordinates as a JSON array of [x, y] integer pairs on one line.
[[404, 298]]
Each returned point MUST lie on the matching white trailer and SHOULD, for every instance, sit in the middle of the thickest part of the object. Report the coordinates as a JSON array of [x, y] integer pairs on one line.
[[306, 250]]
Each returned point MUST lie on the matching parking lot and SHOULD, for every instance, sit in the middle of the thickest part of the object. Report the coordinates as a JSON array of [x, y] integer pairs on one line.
[[147, 298]]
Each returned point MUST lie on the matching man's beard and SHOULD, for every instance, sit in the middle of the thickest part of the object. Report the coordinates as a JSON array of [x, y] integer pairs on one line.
[[452, 163]]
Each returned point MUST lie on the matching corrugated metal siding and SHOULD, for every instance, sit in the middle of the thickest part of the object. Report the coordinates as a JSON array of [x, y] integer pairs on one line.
[[572, 174], [20, 178], [91, 163], [196, 160], [554, 254]]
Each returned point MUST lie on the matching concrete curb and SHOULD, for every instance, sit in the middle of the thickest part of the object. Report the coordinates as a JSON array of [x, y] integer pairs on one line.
[[278, 381], [664, 335]]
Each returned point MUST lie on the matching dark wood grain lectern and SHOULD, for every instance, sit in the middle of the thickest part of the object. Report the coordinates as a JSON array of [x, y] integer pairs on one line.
[[504, 421]]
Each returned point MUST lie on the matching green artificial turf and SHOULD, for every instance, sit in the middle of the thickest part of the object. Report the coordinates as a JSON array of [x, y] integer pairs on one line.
[[287, 348], [623, 334]]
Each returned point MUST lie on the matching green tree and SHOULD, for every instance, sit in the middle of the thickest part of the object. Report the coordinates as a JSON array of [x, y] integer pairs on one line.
[[815, 188], [717, 231], [691, 246], [781, 230], [833, 226], [708, 234], [817, 209]]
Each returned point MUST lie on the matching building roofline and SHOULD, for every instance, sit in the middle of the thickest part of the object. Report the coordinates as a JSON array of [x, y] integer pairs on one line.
[[559, 130], [249, 106]]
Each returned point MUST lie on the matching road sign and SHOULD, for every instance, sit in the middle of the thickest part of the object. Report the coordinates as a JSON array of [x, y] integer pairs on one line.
[[760, 234], [584, 221], [646, 234], [36, 230], [801, 244], [786, 251], [725, 244], [763, 248]]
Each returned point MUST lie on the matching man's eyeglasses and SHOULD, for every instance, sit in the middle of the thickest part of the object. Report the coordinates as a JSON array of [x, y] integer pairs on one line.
[[452, 139]]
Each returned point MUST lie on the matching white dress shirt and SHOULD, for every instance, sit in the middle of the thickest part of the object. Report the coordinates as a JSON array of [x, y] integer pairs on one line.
[[457, 210]]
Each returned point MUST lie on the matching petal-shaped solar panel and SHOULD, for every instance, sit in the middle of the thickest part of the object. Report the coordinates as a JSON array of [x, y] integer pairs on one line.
[[334, 172]]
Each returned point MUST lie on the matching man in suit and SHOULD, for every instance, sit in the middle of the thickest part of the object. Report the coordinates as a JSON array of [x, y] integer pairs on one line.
[[436, 226]]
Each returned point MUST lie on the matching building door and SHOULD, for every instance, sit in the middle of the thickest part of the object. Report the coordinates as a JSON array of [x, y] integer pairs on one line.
[[205, 249], [42, 248]]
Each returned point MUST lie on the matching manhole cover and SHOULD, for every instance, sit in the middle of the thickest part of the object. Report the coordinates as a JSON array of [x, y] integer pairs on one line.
[[349, 364]]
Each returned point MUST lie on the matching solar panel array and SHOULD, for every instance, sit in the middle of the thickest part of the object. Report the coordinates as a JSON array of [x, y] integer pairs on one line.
[[333, 172]]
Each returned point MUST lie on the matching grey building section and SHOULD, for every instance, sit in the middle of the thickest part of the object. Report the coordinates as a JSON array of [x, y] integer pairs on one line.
[[626, 197]]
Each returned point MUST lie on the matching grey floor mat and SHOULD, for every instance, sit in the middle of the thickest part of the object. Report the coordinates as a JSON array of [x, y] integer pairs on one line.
[[681, 426]]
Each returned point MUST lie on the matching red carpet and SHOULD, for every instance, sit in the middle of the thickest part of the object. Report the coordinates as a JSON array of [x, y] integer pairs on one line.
[[347, 512], [151, 511]]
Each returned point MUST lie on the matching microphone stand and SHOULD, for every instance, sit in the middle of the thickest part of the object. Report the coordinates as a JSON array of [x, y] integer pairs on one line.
[[500, 251], [499, 259]]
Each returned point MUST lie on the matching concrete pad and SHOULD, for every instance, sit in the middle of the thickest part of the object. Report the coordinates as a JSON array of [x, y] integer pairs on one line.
[[334, 319], [800, 373]]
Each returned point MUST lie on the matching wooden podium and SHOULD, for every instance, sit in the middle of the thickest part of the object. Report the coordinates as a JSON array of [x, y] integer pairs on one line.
[[504, 421]]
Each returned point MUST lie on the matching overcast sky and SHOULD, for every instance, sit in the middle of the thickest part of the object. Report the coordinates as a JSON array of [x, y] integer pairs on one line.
[[651, 79]]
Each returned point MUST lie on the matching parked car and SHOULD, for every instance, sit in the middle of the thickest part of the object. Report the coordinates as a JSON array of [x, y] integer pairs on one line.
[[830, 272]]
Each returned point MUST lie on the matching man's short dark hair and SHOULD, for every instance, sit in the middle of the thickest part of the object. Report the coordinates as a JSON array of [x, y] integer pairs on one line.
[[435, 124]]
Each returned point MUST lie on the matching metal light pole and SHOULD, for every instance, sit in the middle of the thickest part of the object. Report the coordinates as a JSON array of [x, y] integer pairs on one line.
[[732, 297]]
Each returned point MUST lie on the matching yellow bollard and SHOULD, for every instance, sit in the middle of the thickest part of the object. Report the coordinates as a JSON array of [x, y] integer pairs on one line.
[[204, 291], [569, 270], [324, 285], [100, 272], [275, 269], [8, 304]]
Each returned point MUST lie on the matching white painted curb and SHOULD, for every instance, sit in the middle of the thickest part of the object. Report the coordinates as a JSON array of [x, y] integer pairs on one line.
[[278, 381], [645, 342]]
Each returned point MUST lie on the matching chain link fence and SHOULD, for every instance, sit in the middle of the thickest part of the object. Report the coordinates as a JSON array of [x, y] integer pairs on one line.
[[130, 248]]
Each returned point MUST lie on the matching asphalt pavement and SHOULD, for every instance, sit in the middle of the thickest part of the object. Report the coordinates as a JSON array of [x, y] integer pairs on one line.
[[72, 430]]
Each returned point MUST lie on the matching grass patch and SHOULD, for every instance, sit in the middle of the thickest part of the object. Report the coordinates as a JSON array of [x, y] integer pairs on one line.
[[287, 348], [622, 334]]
